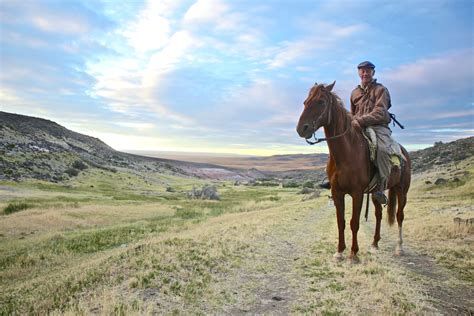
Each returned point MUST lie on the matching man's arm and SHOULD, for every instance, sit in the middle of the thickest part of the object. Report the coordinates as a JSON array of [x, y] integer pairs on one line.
[[379, 114]]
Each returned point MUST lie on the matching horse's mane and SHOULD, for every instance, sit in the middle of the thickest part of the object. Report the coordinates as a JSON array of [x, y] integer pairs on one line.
[[341, 116]]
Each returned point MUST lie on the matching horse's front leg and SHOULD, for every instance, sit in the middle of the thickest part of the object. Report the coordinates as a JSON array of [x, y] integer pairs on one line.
[[357, 200], [341, 223]]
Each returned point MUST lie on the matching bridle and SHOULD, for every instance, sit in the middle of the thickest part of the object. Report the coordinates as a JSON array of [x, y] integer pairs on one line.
[[319, 140]]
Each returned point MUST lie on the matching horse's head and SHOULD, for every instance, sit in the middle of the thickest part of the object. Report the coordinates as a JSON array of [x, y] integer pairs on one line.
[[316, 110]]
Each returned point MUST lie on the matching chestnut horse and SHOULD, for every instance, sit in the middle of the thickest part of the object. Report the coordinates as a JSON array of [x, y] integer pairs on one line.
[[349, 168]]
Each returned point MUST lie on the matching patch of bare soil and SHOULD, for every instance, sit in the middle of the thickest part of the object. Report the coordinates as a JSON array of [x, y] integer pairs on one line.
[[447, 298], [270, 283], [445, 292]]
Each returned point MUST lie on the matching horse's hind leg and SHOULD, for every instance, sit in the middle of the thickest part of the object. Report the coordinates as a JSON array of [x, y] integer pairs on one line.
[[402, 201], [378, 220]]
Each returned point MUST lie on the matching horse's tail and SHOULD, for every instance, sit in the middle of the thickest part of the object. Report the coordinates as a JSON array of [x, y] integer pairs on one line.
[[392, 205]]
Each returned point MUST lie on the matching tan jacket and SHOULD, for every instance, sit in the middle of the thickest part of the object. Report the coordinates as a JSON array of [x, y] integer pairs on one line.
[[370, 105]]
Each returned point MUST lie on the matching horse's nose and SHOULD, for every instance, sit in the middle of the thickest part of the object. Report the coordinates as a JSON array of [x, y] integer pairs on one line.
[[302, 130]]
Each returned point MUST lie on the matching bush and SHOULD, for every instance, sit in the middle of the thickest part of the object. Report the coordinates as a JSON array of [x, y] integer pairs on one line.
[[16, 207], [308, 184], [78, 164], [305, 190], [291, 185], [187, 214], [207, 192], [72, 172], [170, 189], [266, 183]]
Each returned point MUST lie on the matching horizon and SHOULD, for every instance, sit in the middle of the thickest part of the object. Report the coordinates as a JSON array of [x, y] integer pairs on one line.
[[229, 78]]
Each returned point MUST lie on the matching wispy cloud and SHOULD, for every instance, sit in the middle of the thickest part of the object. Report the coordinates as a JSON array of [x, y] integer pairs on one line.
[[323, 36], [230, 74]]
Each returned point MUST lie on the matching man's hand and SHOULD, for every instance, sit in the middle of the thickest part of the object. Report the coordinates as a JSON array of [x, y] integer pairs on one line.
[[356, 126]]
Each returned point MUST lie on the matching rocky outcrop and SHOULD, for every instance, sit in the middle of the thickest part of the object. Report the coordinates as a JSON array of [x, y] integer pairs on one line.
[[442, 154]]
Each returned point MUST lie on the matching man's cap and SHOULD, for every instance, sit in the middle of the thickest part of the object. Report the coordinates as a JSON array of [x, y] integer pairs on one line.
[[366, 64]]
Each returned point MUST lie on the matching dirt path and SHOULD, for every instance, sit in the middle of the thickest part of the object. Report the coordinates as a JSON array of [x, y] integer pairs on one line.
[[447, 294], [291, 270], [270, 282]]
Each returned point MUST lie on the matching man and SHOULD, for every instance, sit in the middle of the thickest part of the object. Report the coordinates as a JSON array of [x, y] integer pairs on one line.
[[370, 102]]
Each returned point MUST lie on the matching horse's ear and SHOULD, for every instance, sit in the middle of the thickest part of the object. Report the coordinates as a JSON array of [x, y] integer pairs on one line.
[[329, 87]]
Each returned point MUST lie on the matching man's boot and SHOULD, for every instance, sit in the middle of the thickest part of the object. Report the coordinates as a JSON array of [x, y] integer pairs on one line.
[[325, 185], [380, 196]]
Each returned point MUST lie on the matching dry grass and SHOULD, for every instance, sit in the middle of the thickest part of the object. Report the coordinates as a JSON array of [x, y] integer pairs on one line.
[[429, 220], [88, 253]]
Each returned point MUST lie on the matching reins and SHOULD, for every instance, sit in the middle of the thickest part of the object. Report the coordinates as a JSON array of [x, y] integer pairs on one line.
[[319, 140]]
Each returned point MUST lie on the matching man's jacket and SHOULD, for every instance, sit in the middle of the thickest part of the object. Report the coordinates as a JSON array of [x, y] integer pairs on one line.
[[370, 105]]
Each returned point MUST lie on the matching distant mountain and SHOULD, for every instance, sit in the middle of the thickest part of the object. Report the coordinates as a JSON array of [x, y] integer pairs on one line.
[[276, 163], [37, 148]]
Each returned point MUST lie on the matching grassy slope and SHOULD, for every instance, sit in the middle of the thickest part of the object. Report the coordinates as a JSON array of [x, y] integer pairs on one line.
[[127, 245]]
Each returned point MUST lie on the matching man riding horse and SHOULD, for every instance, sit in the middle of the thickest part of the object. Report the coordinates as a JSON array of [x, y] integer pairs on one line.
[[370, 102]]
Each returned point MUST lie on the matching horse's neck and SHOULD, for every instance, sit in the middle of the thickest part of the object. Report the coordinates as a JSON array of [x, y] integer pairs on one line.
[[341, 148]]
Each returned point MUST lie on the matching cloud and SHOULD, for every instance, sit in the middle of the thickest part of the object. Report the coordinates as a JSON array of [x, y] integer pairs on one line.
[[322, 36], [444, 72], [428, 85], [216, 13], [152, 28], [72, 18]]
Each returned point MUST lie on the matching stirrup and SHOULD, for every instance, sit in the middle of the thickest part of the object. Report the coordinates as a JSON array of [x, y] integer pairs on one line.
[[380, 197]]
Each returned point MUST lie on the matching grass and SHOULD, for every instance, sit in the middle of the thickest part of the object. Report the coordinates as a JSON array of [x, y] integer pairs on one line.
[[73, 223], [116, 242], [430, 213], [16, 207]]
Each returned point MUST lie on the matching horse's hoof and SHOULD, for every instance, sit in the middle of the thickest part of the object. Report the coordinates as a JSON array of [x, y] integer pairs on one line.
[[399, 251], [338, 256], [373, 249], [354, 259]]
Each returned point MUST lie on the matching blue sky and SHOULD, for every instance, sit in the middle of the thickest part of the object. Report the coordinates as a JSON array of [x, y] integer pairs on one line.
[[231, 76]]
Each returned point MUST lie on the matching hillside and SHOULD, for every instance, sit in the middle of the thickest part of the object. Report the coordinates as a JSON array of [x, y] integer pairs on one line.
[[442, 154], [35, 148], [111, 243], [41, 149]]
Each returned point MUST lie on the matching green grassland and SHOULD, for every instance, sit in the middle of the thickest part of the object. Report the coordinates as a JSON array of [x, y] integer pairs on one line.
[[124, 243]]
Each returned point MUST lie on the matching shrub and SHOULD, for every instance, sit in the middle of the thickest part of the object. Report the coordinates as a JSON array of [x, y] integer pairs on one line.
[[170, 189], [78, 164], [187, 214], [207, 192], [306, 190], [291, 185], [16, 207], [72, 172], [308, 184]]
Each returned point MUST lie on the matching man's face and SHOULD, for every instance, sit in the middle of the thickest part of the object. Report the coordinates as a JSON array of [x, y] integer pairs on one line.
[[366, 75]]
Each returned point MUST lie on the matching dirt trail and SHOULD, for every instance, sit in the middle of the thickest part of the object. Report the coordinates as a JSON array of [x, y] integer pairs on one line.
[[274, 279], [270, 282], [447, 294], [447, 298]]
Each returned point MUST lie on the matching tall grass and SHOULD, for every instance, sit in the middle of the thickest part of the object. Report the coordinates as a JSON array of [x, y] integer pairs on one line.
[[14, 207]]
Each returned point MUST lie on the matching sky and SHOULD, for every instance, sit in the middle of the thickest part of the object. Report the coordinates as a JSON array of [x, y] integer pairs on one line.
[[231, 76]]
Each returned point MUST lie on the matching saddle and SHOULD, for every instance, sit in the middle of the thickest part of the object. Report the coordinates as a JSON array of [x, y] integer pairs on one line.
[[371, 137]]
